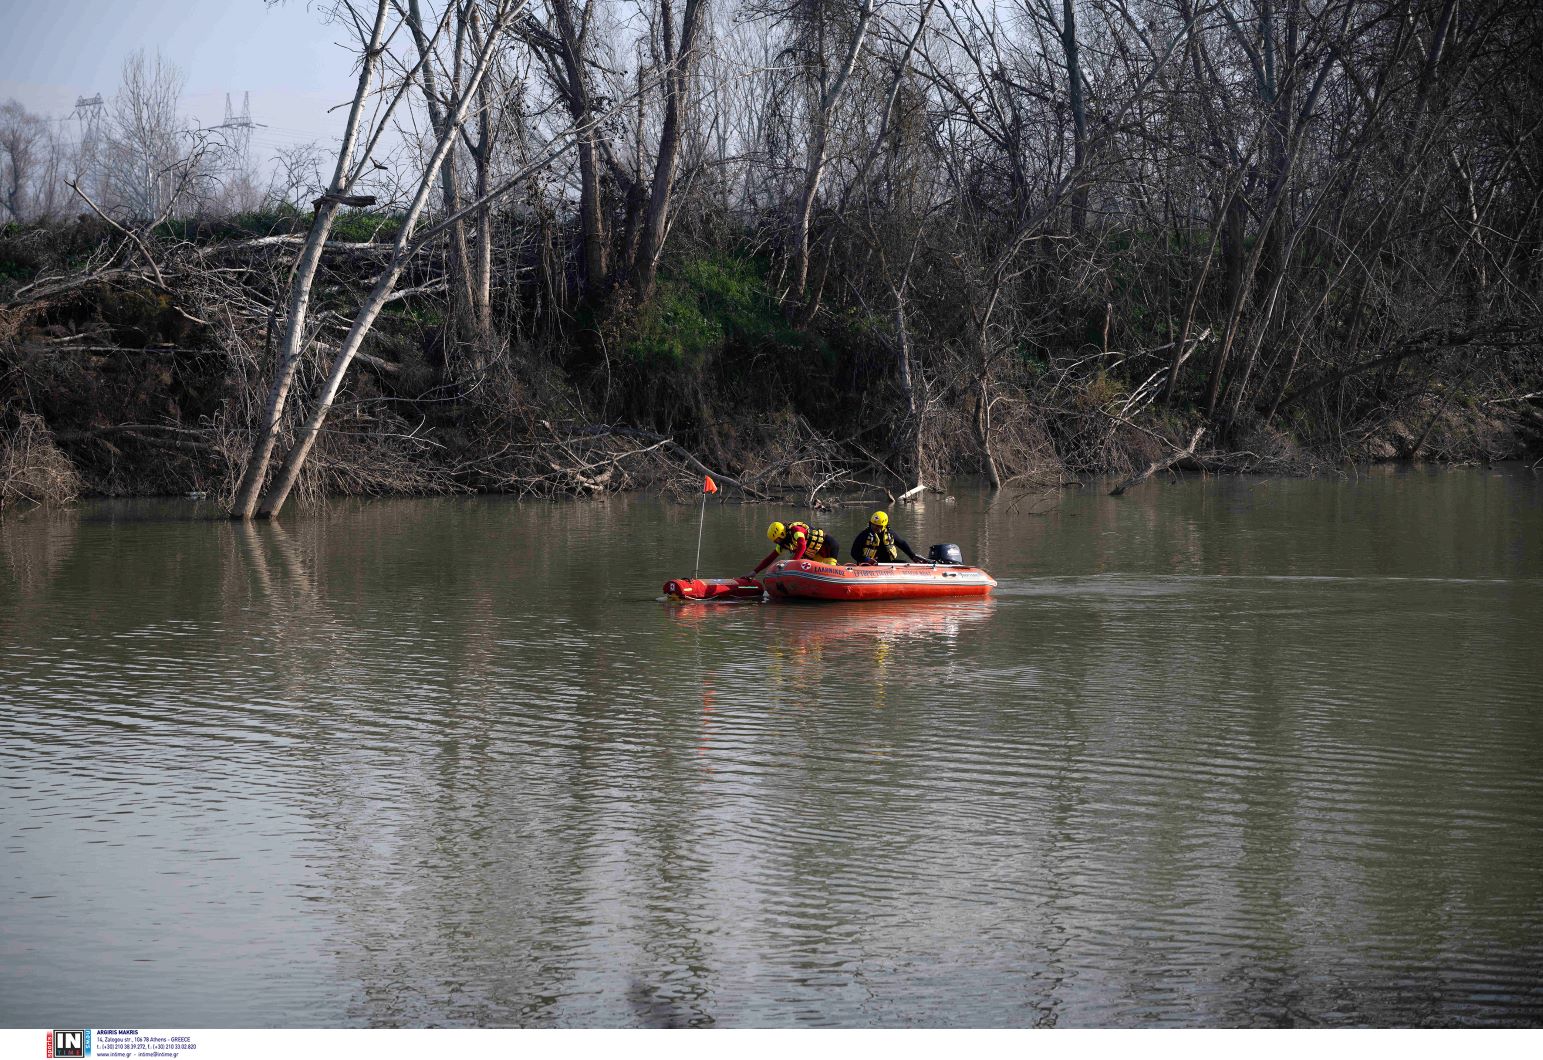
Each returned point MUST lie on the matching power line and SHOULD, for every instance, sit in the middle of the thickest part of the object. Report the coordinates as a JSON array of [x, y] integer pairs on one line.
[[89, 111], [240, 127]]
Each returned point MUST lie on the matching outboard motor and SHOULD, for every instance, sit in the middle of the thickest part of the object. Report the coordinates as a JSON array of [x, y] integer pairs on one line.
[[946, 554]]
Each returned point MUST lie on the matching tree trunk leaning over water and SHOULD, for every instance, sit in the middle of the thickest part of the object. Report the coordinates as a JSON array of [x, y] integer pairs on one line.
[[343, 178], [410, 243], [403, 249]]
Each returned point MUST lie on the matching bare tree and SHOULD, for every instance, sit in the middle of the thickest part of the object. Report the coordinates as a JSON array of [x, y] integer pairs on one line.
[[407, 244], [296, 178], [677, 53], [829, 75], [344, 176], [145, 153], [23, 138], [567, 45]]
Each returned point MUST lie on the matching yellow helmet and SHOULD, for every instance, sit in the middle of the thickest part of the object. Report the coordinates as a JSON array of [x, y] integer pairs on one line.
[[879, 519], [775, 531]]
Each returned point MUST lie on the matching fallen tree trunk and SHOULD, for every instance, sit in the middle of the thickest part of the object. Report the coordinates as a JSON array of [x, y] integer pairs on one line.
[[673, 446], [1159, 465]]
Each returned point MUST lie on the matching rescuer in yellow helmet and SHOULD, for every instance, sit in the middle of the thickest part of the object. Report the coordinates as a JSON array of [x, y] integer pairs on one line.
[[877, 545], [801, 541]]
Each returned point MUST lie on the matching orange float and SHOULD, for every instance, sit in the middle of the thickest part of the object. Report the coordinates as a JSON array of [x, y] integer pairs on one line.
[[713, 589]]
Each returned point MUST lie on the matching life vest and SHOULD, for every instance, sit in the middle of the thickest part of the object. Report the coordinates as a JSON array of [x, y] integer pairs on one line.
[[817, 543], [879, 544]]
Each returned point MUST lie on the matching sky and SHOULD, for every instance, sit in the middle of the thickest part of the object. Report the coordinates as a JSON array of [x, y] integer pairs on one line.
[[285, 54]]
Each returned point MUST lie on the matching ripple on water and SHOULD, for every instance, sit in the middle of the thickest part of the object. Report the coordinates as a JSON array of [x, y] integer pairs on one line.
[[1175, 775]]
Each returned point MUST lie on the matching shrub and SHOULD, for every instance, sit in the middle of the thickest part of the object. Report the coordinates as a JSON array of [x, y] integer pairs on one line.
[[706, 305], [672, 329], [32, 468]]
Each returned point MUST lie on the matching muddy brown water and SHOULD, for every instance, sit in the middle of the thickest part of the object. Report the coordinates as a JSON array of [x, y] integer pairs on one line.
[[1217, 753]]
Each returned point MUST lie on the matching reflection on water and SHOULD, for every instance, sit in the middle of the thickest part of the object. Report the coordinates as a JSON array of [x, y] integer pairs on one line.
[[1221, 753]]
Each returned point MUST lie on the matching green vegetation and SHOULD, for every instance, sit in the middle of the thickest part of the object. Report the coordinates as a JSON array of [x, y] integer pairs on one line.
[[672, 328], [708, 306], [364, 226]]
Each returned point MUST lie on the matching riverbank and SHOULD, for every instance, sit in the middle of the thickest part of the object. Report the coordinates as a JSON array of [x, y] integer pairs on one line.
[[138, 443], [119, 380]]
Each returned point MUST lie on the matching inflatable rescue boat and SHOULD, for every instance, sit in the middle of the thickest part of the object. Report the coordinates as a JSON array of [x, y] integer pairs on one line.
[[808, 580]]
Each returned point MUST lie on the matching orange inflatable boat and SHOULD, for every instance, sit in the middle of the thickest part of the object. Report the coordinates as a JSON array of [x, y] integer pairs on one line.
[[882, 581]]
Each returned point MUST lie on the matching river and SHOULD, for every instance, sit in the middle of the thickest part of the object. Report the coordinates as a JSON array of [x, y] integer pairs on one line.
[[1226, 752]]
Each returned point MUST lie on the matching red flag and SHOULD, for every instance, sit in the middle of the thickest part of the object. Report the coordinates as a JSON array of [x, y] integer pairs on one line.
[[708, 485]]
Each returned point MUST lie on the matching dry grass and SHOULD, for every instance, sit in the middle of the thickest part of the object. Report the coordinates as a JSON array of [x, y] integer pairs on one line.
[[33, 470]]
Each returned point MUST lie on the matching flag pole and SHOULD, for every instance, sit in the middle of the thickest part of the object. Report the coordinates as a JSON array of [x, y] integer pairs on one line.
[[700, 523], [708, 486]]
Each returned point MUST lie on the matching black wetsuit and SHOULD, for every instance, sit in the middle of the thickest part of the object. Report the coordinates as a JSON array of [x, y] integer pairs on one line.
[[881, 546]]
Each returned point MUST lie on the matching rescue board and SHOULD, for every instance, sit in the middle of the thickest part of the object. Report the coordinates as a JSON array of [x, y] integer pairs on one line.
[[707, 589]]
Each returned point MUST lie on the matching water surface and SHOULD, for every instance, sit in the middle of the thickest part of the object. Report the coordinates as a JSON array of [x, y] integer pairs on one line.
[[1217, 753]]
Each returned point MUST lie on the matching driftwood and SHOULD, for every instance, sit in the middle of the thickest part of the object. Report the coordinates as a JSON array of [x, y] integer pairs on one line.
[[1159, 465]]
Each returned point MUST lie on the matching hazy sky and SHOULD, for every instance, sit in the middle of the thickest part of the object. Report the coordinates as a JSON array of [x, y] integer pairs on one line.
[[285, 54]]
